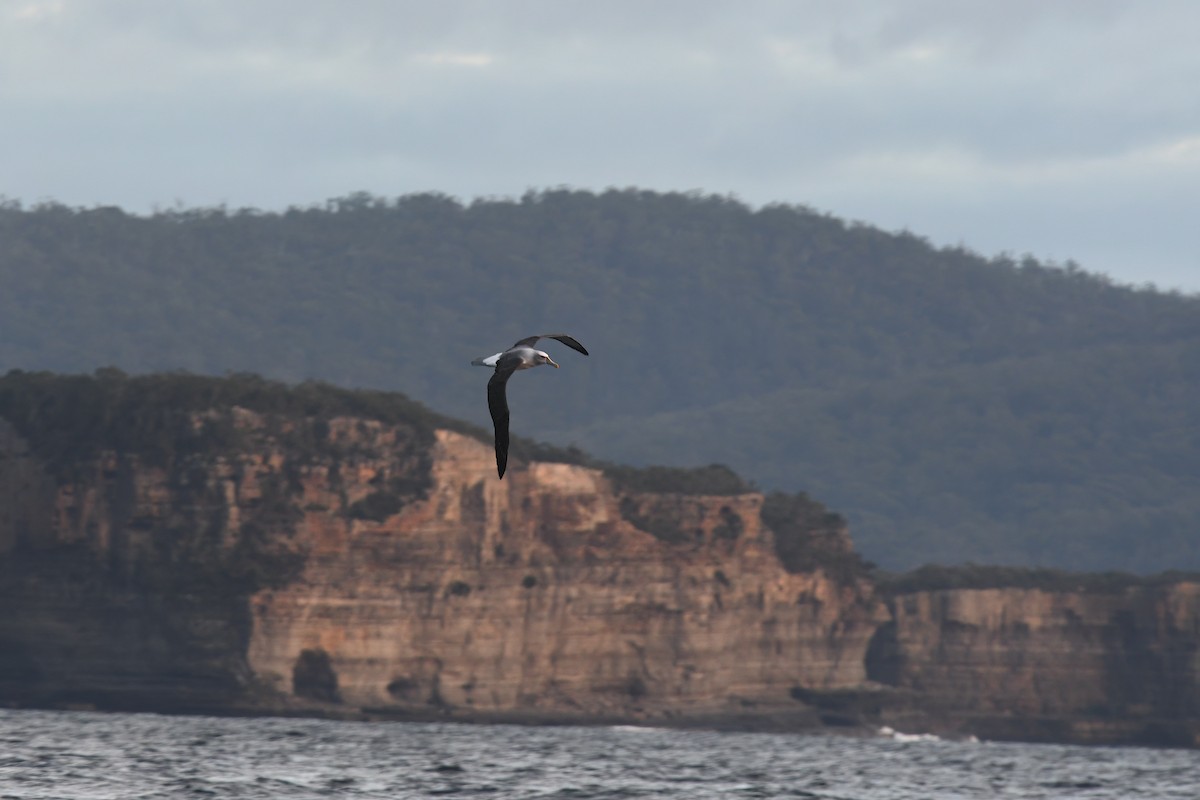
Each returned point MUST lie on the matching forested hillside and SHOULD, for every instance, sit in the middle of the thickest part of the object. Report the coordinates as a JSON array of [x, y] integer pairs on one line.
[[954, 408]]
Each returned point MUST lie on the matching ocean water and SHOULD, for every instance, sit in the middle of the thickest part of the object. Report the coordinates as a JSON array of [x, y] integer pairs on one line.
[[74, 755]]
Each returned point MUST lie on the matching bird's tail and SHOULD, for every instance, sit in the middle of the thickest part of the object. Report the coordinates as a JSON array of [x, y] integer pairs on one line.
[[486, 361]]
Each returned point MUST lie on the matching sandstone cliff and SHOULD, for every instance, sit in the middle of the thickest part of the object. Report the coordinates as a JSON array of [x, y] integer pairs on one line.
[[536, 594], [1102, 664], [302, 561], [349, 562]]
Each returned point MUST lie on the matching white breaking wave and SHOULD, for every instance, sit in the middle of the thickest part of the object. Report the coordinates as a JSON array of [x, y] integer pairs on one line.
[[897, 736]]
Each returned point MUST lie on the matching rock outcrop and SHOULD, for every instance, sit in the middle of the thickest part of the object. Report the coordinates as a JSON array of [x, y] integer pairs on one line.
[[365, 570], [264, 562], [535, 594], [1116, 663]]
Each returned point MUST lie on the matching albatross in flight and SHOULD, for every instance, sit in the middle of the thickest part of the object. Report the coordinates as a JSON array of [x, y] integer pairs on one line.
[[521, 355]]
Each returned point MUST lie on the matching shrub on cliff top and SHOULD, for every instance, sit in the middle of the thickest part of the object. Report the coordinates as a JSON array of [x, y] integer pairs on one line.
[[715, 479], [808, 536], [69, 418], [979, 576]]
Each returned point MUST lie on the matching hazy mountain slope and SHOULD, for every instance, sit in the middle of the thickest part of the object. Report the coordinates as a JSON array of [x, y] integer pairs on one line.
[[860, 349], [998, 463]]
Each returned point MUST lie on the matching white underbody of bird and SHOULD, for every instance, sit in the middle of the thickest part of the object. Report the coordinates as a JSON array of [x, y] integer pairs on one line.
[[522, 355]]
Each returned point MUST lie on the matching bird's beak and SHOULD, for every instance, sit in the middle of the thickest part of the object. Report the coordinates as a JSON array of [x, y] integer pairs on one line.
[[551, 360]]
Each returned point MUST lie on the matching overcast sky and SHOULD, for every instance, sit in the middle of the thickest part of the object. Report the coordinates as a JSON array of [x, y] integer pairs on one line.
[[1069, 129]]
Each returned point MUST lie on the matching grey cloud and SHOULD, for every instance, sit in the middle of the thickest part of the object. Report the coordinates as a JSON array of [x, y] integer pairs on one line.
[[961, 120]]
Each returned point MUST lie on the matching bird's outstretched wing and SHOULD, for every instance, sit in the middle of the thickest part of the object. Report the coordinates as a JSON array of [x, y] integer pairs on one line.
[[569, 341], [498, 405]]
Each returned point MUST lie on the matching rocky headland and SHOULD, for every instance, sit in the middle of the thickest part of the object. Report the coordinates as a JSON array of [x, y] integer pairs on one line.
[[232, 546]]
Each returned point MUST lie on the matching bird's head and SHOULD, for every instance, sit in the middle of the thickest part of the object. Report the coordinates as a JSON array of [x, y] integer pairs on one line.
[[544, 358]]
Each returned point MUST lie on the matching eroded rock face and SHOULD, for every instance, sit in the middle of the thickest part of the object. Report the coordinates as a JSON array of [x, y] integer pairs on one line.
[[341, 564], [344, 562], [1107, 665], [127, 583], [536, 593]]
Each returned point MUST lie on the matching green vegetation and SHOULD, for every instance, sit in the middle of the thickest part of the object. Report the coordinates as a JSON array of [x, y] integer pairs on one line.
[[458, 589], [663, 524], [68, 419], [377, 506], [809, 536], [978, 576], [954, 408], [715, 479]]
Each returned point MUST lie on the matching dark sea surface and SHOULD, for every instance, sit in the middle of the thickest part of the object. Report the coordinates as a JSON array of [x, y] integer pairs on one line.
[[46, 754]]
